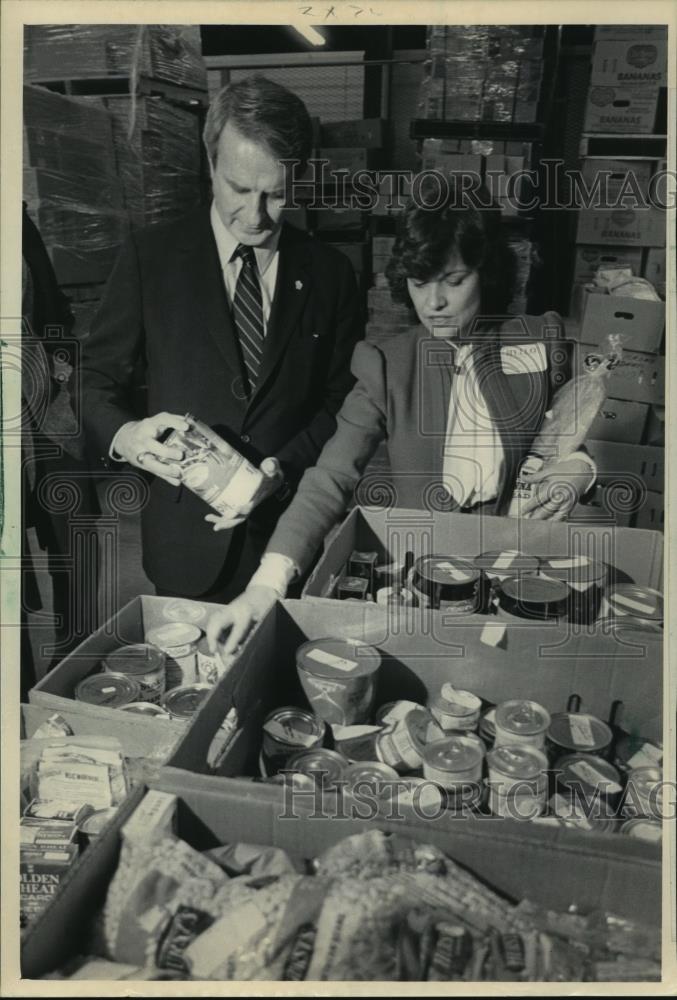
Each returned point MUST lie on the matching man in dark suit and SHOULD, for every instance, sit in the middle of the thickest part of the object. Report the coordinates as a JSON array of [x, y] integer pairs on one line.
[[237, 318]]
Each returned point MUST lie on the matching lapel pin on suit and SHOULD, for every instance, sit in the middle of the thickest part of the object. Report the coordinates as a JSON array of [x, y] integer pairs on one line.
[[298, 285]]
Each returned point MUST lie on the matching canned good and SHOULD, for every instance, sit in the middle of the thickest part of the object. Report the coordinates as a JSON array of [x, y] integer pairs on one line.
[[180, 610], [352, 588], [635, 606], [93, 825], [500, 565], [323, 767], [145, 708], [637, 751], [521, 722], [532, 598], [183, 702], [571, 812], [209, 666], [363, 564], [456, 709], [393, 711], [593, 775], [178, 640], [447, 583], [369, 780], [288, 730], [643, 828], [55, 725], [454, 761], [518, 781], [143, 663], [571, 732], [585, 578], [109, 690], [339, 679], [644, 793], [401, 745], [487, 726], [357, 743]]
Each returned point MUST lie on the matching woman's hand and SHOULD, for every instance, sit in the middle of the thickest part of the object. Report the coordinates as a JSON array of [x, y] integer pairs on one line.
[[270, 467], [239, 616], [557, 489]]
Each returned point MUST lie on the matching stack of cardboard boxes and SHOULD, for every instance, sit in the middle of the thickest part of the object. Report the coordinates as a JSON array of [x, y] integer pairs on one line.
[[622, 225]]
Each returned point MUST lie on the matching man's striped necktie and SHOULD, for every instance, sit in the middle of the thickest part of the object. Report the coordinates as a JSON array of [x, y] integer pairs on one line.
[[248, 314]]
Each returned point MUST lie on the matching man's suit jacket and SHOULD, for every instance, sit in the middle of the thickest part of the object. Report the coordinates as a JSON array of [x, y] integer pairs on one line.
[[165, 312], [402, 395]]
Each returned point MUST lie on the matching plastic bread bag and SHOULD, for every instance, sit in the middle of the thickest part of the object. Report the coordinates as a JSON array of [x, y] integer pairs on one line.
[[567, 423]]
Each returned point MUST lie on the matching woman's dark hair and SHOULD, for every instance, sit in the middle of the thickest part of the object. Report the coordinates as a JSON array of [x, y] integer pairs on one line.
[[265, 112], [458, 220]]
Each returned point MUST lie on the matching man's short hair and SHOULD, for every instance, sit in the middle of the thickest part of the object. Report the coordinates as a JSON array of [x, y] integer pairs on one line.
[[264, 111]]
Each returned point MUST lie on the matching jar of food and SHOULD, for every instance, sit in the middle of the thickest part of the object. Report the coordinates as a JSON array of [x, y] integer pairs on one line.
[[183, 702], [456, 709], [585, 578], [589, 776], [179, 641], [634, 606], [108, 690], [447, 583], [454, 761], [644, 793], [521, 721], [288, 730], [518, 781], [339, 679], [531, 598], [576, 732], [142, 663]]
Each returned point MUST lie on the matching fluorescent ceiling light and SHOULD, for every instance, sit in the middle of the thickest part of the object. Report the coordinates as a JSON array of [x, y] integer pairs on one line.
[[311, 35]]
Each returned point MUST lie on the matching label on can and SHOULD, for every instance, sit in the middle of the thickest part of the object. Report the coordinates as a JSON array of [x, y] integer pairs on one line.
[[648, 755], [505, 559], [397, 747], [581, 731], [453, 571], [583, 769], [288, 733], [330, 660]]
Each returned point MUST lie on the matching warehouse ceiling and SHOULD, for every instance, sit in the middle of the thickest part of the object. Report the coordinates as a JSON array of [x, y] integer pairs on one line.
[[218, 40]]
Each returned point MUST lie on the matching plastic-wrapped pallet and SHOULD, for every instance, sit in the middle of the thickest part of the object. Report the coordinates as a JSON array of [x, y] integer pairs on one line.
[[169, 52]]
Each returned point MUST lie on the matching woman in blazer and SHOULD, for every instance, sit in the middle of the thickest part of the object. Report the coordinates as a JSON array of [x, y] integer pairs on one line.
[[458, 400]]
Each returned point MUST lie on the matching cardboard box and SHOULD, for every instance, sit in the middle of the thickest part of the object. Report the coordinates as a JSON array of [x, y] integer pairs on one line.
[[368, 132], [654, 268], [631, 176], [630, 109], [598, 509], [639, 322], [638, 377], [139, 735], [589, 258], [620, 420], [615, 461], [630, 61], [513, 861], [393, 532], [635, 32], [655, 426], [651, 514], [633, 227]]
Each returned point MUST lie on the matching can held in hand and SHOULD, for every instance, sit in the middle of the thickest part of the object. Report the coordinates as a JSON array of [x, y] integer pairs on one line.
[[634, 606], [183, 702], [531, 598], [585, 578], [518, 781], [520, 721], [108, 690], [447, 583], [454, 761], [576, 732], [455, 709], [591, 777], [339, 679], [644, 793], [179, 641], [287, 731], [142, 663]]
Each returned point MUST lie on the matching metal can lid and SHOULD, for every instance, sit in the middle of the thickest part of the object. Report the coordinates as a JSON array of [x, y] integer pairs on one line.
[[506, 561], [137, 658], [338, 658], [368, 772], [290, 725], [180, 610], [173, 634], [327, 765], [518, 761], [579, 731], [454, 753], [108, 689], [593, 771], [574, 569], [523, 718], [456, 701], [534, 590], [183, 702], [643, 828], [446, 571], [635, 602], [145, 708]]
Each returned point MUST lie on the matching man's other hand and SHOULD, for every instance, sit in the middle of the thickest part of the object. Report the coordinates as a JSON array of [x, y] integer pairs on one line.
[[239, 616], [137, 442]]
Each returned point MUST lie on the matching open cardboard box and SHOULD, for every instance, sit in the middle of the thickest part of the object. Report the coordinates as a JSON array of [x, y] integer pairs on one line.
[[553, 872], [419, 655], [139, 735], [633, 556]]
